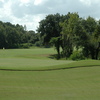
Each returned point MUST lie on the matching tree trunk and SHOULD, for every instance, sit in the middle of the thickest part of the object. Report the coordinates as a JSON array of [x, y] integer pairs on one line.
[[93, 54], [97, 51], [58, 48]]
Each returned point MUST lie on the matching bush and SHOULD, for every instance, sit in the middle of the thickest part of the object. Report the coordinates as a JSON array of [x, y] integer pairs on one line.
[[26, 45], [38, 43], [77, 55]]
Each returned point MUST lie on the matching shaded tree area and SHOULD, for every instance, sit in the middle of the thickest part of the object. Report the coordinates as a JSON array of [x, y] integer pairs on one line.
[[49, 30], [15, 36], [71, 33]]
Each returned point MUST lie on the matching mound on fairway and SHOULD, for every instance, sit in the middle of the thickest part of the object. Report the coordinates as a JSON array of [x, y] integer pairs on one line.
[[28, 59], [37, 60]]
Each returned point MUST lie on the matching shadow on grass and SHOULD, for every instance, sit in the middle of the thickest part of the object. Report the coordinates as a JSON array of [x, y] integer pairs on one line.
[[52, 69], [54, 56]]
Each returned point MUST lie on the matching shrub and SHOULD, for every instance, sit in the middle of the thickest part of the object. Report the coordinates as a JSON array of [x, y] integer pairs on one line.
[[77, 55], [38, 43]]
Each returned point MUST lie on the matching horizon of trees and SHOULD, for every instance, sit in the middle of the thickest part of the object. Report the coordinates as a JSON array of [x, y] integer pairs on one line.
[[72, 36], [16, 36]]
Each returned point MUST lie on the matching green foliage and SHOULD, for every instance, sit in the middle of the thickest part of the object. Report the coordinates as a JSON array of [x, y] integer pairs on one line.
[[25, 45], [57, 42], [38, 44], [68, 34], [81, 33], [50, 29], [12, 36], [69, 31], [63, 31], [77, 55]]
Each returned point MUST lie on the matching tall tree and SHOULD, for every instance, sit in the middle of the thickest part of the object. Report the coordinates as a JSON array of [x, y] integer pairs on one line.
[[2, 37], [49, 28], [89, 44], [81, 33], [96, 36], [68, 33]]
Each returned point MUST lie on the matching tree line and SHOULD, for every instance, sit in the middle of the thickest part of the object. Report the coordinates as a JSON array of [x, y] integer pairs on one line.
[[16, 36], [73, 37]]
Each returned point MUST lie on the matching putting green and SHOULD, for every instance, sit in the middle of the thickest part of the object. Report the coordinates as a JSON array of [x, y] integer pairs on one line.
[[37, 59], [29, 64]]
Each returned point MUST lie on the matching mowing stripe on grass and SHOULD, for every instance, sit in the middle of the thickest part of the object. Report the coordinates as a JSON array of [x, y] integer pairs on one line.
[[69, 65]]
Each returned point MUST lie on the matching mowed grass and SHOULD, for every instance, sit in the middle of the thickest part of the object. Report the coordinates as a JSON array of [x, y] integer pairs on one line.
[[68, 84], [37, 60], [36, 53], [29, 59], [30, 74]]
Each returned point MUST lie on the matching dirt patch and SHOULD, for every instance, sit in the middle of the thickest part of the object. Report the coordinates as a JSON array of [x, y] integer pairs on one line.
[[36, 56]]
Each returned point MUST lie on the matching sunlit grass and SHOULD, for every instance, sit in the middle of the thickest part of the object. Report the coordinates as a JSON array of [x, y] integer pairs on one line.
[[38, 59], [30, 74], [29, 64], [27, 53], [68, 84]]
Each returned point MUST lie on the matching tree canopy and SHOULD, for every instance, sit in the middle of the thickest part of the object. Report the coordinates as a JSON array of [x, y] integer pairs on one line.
[[13, 36], [71, 32]]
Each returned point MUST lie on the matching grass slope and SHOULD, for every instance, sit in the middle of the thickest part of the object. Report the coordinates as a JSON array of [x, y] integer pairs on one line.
[[37, 60], [28, 59]]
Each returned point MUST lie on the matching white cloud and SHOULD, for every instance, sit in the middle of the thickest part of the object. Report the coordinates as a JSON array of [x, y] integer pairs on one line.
[[86, 2], [90, 2], [37, 2], [2, 0], [24, 1], [5, 11], [30, 12]]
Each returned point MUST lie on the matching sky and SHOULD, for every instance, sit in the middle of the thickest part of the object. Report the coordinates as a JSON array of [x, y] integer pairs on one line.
[[31, 12]]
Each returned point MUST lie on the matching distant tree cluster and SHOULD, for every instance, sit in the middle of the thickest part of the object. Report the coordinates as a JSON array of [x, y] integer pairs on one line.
[[78, 38], [16, 36]]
